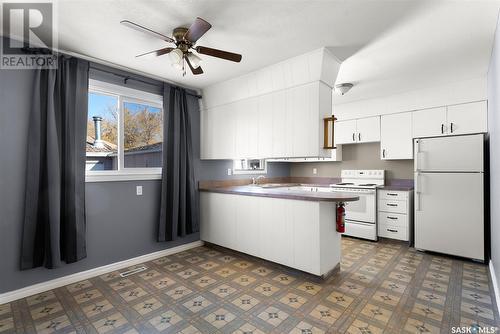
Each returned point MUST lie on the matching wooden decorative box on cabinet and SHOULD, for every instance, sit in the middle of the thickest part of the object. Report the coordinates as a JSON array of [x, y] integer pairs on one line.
[[395, 219]]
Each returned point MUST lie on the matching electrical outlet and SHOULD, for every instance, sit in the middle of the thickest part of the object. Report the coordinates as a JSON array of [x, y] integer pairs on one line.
[[229, 171], [315, 171], [138, 190]]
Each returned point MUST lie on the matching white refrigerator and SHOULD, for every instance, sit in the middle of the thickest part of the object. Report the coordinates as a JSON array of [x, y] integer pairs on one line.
[[449, 195]]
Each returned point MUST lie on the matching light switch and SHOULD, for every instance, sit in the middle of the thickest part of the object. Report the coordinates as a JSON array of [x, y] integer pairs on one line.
[[229, 171], [315, 171], [138, 190]]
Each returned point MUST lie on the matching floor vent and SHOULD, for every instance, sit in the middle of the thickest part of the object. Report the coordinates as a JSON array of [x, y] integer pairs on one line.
[[133, 271]]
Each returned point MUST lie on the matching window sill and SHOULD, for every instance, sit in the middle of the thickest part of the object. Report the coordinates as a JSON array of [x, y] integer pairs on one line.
[[110, 176]]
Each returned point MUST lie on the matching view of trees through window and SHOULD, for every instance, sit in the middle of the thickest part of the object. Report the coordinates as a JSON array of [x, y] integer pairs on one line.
[[143, 136], [142, 133]]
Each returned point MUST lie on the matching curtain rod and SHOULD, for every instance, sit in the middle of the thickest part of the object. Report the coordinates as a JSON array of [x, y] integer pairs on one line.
[[128, 77]]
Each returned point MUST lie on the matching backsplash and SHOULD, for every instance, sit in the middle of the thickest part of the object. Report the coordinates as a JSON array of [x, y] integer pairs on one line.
[[356, 156]]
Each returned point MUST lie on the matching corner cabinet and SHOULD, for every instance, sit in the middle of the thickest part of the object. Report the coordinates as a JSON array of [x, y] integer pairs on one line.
[[287, 123], [362, 130], [396, 140]]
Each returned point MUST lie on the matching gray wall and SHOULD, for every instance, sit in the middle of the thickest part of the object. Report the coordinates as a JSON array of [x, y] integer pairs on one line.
[[120, 225], [494, 132], [357, 156]]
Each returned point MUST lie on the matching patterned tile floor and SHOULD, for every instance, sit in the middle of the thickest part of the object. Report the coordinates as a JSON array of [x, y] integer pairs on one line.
[[382, 287]]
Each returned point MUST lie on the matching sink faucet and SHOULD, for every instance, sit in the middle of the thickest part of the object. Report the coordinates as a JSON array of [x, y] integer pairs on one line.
[[255, 180]]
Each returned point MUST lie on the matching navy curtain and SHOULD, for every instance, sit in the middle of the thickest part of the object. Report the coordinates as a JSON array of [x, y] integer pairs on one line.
[[54, 223], [179, 212]]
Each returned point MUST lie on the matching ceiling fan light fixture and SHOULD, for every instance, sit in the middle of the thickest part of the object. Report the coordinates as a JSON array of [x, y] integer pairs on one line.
[[176, 57], [194, 60]]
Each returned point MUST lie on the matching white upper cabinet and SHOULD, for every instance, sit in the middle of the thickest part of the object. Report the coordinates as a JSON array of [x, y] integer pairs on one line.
[[468, 118], [345, 132], [277, 112], [429, 122], [368, 129], [363, 130], [396, 141], [457, 119]]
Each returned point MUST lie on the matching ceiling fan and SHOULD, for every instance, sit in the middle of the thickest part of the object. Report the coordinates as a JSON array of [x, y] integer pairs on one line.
[[185, 40]]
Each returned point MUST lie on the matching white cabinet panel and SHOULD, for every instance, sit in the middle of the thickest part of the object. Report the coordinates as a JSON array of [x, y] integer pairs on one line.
[[396, 141], [345, 132], [279, 124], [274, 221], [368, 129], [247, 129], [301, 111], [468, 118], [222, 124], [218, 219], [305, 235], [265, 126], [429, 122], [247, 229]]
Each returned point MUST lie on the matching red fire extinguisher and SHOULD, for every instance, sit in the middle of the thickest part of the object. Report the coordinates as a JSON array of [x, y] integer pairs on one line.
[[340, 218]]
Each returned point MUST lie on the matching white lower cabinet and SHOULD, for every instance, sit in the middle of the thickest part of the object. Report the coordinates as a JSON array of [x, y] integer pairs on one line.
[[298, 234], [394, 216]]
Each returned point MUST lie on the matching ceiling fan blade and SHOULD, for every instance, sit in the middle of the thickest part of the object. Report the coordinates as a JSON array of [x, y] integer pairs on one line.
[[145, 30], [197, 29], [159, 52], [195, 71], [219, 53]]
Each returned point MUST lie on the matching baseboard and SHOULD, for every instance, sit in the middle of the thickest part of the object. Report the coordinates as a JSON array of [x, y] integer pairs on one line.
[[495, 285], [83, 275]]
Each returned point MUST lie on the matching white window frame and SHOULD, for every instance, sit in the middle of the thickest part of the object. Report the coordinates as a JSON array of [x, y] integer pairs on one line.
[[124, 94]]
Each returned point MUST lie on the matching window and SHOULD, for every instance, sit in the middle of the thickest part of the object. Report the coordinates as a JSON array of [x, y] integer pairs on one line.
[[124, 133], [249, 166]]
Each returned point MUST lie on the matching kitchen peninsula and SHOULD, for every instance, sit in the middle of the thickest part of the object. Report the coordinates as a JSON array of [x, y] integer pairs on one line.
[[290, 224]]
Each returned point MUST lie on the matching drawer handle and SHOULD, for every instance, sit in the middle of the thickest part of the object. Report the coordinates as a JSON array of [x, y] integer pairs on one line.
[[391, 194], [390, 204], [389, 217], [390, 230]]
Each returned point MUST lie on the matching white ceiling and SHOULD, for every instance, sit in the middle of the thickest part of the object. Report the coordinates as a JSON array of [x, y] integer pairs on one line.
[[388, 46]]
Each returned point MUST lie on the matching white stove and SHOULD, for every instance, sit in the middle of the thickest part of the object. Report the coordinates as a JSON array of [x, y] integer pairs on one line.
[[361, 215]]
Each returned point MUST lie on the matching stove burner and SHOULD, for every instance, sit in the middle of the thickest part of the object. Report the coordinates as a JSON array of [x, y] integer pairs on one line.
[[345, 184], [367, 185]]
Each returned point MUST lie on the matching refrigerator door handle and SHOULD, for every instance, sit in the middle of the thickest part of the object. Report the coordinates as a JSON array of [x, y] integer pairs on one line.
[[417, 192]]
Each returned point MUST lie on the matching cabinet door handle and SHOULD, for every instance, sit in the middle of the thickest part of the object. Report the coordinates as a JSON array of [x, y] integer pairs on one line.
[[451, 127], [391, 194], [390, 204], [353, 136], [359, 136], [442, 128], [391, 230], [383, 153], [393, 218]]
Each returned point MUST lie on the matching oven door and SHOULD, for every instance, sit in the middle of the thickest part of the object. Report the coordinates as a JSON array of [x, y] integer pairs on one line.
[[362, 210]]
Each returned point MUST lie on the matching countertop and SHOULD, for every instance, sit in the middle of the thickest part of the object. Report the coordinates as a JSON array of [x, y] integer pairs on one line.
[[282, 192]]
